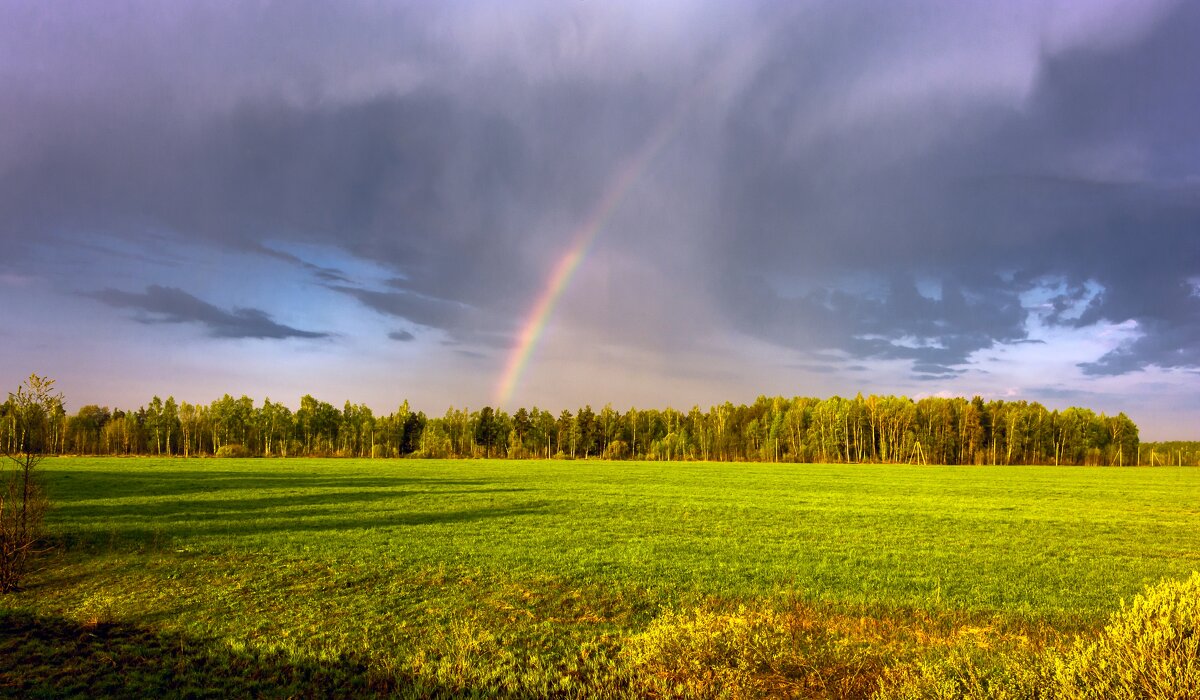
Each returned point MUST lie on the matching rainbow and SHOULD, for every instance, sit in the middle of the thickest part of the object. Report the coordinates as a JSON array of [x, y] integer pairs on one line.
[[583, 238]]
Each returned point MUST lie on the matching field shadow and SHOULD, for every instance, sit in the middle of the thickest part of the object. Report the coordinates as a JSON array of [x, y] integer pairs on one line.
[[201, 510], [172, 531], [47, 656], [177, 505], [68, 486]]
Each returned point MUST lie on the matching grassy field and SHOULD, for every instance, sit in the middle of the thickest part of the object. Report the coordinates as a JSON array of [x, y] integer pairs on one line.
[[427, 578]]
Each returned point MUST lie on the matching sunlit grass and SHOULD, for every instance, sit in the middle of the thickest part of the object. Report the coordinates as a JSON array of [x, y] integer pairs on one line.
[[529, 577]]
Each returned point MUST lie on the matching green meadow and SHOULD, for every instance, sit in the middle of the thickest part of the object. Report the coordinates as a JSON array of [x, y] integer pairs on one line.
[[301, 577]]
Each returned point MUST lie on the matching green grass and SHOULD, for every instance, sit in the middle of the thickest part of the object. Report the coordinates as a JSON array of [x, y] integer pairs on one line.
[[444, 577]]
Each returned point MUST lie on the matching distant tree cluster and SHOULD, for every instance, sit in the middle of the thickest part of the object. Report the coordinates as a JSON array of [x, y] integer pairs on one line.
[[861, 429], [1177, 452]]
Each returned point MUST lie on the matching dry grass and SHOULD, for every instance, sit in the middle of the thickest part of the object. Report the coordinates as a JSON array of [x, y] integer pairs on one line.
[[803, 651], [1150, 650]]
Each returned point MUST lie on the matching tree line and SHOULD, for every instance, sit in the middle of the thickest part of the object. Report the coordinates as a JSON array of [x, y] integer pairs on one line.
[[1174, 452], [773, 429]]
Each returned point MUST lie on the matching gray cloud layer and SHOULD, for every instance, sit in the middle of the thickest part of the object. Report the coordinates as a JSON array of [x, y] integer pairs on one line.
[[828, 162]]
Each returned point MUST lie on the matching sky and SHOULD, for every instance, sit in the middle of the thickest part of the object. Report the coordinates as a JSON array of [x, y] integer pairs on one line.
[[528, 202]]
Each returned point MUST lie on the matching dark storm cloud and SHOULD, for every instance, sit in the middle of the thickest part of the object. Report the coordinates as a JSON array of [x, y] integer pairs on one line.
[[1127, 119], [833, 162], [421, 183], [448, 192], [402, 336], [1092, 181], [170, 305]]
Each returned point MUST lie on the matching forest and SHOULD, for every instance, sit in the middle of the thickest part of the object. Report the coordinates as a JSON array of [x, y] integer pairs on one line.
[[884, 429]]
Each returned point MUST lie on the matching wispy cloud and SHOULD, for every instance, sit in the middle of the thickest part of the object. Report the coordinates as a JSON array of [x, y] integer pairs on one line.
[[160, 304]]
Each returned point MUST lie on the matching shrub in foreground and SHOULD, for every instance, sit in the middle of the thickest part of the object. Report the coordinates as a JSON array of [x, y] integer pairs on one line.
[[748, 653], [1150, 649], [23, 503], [969, 673], [236, 451]]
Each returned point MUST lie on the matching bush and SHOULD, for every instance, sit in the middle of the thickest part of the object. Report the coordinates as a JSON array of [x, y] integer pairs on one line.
[[748, 653], [1150, 649], [238, 451], [969, 673]]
